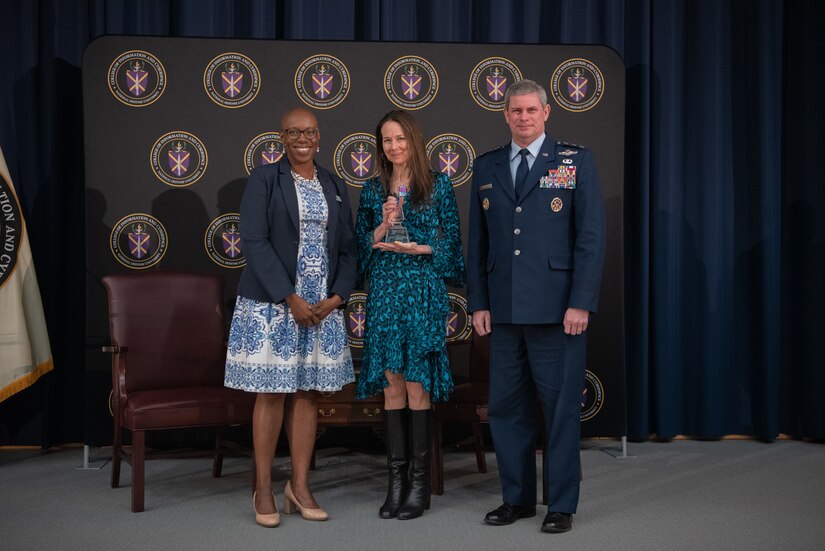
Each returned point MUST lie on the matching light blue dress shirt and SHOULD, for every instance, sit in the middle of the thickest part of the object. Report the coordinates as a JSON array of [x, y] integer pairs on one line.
[[515, 158]]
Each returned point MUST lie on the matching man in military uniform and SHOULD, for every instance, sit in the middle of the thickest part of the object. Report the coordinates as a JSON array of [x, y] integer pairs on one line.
[[536, 250]]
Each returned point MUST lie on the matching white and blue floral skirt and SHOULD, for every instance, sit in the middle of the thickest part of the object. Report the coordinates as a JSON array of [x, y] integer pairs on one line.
[[269, 352]]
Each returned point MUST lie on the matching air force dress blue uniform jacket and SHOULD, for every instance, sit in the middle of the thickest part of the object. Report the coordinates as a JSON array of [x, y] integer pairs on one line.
[[269, 234], [531, 259]]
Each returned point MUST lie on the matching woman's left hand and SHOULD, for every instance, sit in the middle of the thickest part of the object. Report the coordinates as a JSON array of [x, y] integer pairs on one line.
[[322, 308], [406, 248]]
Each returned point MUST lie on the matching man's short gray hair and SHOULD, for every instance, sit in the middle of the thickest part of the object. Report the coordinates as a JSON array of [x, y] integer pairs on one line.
[[522, 88]]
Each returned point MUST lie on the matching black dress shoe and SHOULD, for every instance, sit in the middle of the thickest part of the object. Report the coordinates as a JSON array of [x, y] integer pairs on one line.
[[557, 522], [509, 513]]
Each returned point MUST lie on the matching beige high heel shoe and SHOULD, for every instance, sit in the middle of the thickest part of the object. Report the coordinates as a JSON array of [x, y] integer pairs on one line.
[[291, 505], [267, 521]]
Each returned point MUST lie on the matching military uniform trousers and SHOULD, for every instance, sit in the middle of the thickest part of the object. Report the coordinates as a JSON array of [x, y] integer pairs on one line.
[[530, 362]]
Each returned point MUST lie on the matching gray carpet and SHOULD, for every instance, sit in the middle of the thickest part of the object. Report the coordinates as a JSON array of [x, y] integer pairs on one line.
[[680, 495]]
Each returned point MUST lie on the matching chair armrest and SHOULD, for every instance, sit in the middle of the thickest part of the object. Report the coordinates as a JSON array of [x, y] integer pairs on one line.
[[119, 355], [115, 349]]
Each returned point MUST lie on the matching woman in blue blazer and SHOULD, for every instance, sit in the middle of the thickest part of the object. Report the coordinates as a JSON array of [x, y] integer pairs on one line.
[[287, 334]]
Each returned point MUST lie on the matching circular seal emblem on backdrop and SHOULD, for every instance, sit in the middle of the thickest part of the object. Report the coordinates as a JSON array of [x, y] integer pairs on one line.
[[490, 80], [178, 158], [356, 158], [459, 326], [231, 80], [222, 241], [452, 155], [577, 85], [322, 81], [264, 149], [11, 230], [136, 78], [138, 241], [592, 396], [411, 82], [356, 319]]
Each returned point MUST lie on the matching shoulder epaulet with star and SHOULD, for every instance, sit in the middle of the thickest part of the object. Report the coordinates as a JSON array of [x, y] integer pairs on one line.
[[499, 148]]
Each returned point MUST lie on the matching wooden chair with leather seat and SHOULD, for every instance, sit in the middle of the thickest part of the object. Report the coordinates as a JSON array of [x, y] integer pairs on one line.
[[168, 354], [468, 404]]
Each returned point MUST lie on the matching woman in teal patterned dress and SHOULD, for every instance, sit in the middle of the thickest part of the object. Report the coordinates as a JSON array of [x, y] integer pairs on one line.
[[405, 354]]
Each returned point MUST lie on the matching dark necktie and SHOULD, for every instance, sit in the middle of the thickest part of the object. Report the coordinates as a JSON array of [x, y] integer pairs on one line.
[[521, 174]]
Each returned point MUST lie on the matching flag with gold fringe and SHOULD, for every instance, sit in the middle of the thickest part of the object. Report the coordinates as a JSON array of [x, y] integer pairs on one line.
[[25, 354]]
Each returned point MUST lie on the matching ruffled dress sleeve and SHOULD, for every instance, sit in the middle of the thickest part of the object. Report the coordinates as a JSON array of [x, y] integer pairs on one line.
[[448, 257], [368, 218]]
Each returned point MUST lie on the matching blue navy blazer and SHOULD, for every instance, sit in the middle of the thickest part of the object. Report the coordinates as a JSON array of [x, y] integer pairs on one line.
[[269, 234], [531, 260]]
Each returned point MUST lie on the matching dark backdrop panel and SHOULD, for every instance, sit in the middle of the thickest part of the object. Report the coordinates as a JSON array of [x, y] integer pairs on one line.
[[121, 181]]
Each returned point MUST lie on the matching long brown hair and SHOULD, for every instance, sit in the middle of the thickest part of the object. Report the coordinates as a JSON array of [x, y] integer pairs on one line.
[[421, 175]]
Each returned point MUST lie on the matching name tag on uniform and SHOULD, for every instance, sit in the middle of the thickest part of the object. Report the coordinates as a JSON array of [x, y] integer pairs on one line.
[[482, 187], [563, 177]]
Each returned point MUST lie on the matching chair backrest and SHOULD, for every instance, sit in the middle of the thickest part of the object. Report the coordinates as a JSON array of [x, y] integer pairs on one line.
[[173, 326], [480, 359]]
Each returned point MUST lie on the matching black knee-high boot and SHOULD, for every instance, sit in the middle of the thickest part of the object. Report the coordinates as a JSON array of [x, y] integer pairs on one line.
[[421, 436], [395, 437]]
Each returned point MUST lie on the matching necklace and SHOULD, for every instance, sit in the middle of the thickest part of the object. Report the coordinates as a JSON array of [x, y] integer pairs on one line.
[[298, 177]]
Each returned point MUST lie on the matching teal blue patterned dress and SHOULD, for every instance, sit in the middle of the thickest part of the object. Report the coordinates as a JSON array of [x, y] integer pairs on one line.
[[407, 303]]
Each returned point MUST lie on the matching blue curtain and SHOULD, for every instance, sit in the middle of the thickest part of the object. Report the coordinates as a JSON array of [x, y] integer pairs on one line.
[[724, 202]]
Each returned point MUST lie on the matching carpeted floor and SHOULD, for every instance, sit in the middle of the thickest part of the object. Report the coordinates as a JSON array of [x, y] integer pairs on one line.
[[681, 495]]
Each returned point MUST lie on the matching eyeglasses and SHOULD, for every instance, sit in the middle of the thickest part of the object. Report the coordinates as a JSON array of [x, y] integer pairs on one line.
[[294, 133]]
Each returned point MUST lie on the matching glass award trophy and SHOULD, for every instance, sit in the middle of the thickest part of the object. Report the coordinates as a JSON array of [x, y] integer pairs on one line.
[[397, 231]]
